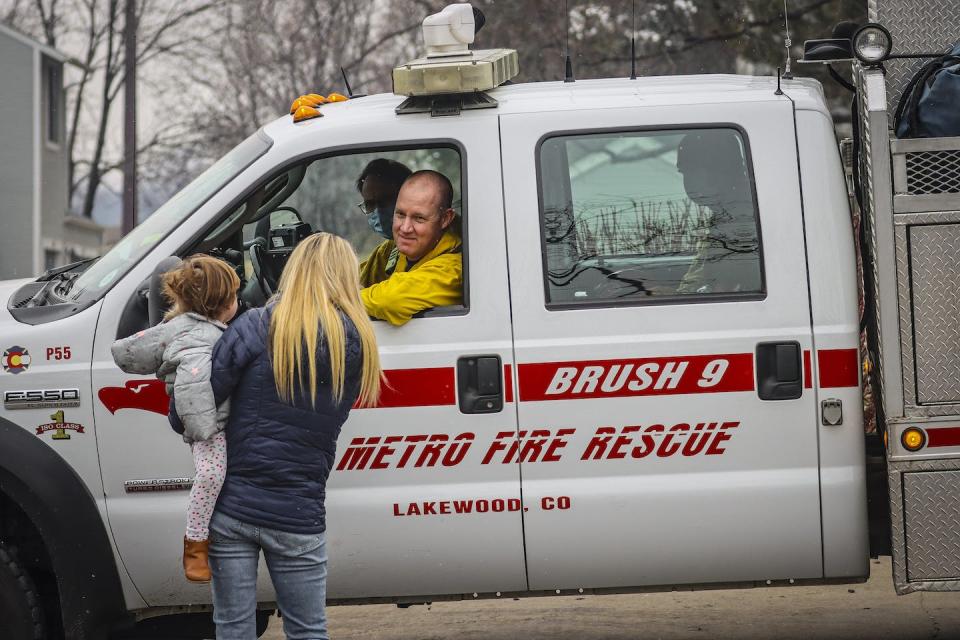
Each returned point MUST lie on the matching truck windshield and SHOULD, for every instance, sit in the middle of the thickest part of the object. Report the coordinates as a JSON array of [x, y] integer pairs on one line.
[[97, 279]]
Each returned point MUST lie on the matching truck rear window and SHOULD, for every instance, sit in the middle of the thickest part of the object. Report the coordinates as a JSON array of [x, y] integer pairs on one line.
[[634, 216]]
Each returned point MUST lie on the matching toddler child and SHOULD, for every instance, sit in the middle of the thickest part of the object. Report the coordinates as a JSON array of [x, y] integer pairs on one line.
[[203, 291]]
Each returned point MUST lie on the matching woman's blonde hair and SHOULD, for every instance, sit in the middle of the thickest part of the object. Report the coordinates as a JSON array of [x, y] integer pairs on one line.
[[201, 284], [321, 280]]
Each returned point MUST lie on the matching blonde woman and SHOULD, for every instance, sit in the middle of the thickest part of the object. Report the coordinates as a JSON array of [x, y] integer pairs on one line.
[[292, 370]]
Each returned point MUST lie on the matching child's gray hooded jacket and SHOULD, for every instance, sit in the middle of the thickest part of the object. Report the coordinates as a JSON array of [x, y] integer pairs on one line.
[[178, 352]]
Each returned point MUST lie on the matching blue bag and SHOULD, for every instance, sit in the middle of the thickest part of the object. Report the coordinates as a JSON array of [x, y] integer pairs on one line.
[[930, 104]]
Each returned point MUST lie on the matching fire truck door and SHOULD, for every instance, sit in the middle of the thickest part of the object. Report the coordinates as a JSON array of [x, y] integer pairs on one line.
[[411, 509], [662, 327]]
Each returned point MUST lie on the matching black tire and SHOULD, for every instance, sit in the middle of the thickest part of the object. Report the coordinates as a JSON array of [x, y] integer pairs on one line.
[[20, 613]]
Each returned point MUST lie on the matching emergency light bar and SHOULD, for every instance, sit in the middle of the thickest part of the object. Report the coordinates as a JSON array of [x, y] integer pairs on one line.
[[476, 71]]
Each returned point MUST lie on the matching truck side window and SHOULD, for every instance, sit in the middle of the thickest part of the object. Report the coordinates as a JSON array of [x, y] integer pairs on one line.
[[350, 194], [633, 216]]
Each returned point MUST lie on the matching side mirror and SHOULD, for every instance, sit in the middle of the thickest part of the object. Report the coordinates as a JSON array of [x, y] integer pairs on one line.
[[827, 50]]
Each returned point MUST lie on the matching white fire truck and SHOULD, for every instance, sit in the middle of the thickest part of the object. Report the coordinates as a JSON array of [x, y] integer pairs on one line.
[[654, 378]]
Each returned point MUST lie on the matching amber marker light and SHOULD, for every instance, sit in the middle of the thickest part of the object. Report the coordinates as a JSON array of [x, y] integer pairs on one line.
[[337, 97], [913, 439], [307, 100], [306, 113]]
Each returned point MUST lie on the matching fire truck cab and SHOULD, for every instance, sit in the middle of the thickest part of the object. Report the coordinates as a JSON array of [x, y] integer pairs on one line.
[[654, 378]]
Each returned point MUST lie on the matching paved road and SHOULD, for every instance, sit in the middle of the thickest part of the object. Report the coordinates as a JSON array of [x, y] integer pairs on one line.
[[869, 611]]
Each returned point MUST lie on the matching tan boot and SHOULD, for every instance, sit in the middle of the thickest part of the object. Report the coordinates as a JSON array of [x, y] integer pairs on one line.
[[195, 564]]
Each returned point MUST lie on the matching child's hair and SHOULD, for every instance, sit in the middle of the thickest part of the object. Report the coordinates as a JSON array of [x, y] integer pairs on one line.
[[201, 284], [321, 278]]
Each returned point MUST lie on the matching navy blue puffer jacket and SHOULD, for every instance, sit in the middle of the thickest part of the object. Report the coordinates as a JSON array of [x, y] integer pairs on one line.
[[278, 455]]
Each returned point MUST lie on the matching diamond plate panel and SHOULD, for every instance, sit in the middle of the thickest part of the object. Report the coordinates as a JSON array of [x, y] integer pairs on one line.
[[935, 271], [916, 26], [898, 472], [931, 503], [905, 309], [868, 215], [904, 223]]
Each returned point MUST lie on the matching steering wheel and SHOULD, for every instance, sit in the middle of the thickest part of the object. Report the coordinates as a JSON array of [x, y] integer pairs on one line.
[[257, 247]]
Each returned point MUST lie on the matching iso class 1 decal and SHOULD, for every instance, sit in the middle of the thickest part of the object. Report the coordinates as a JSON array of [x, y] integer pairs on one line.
[[41, 399]]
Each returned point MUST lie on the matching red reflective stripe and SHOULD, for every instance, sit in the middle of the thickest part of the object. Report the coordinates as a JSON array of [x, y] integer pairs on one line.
[[507, 383], [807, 370], [838, 368], [417, 388], [943, 437], [535, 377]]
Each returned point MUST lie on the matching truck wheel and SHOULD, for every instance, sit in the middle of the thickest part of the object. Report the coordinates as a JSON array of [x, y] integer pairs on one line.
[[19, 603]]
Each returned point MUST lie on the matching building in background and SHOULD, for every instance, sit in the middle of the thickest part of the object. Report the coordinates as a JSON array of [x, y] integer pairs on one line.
[[37, 232]]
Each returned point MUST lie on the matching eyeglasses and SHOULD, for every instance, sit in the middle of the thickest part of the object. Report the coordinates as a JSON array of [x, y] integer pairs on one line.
[[417, 219], [367, 207]]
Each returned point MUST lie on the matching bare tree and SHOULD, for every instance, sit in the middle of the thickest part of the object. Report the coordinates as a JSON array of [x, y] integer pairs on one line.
[[90, 31], [269, 53]]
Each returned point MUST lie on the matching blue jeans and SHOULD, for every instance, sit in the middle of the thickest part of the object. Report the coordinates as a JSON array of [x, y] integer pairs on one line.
[[298, 569]]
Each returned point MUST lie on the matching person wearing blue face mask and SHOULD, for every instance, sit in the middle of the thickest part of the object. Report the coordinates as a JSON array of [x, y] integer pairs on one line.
[[378, 185]]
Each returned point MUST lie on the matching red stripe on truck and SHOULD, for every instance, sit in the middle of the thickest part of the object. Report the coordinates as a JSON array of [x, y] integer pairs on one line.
[[721, 373], [943, 437], [432, 387], [838, 368]]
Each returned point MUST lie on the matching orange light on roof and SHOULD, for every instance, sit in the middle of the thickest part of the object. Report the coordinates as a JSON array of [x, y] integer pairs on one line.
[[913, 439], [307, 100], [337, 97], [306, 113]]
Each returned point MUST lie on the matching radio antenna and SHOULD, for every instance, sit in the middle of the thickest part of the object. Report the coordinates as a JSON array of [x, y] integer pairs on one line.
[[346, 82], [568, 63], [787, 74], [633, 44]]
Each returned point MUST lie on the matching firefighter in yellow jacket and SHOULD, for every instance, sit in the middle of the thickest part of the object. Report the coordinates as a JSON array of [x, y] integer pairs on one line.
[[422, 267]]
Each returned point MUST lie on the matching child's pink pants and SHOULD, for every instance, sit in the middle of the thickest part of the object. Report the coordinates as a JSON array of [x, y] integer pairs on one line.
[[210, 460]]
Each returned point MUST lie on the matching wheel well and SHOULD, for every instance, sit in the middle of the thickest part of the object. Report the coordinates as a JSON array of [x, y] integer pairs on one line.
[[53, 518], [22, 539]]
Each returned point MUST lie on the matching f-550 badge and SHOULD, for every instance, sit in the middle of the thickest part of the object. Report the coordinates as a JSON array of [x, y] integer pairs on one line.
[[41, 399]]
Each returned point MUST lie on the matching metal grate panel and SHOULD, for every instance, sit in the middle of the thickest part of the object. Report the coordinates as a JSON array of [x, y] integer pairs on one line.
[[931, 502], [933, 172]]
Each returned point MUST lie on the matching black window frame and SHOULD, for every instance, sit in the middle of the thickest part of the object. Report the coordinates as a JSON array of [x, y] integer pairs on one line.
[[53, 89], [688, 298], [356, 149]]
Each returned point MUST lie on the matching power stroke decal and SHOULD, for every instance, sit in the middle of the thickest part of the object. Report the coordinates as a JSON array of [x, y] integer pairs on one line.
[[415, 451]]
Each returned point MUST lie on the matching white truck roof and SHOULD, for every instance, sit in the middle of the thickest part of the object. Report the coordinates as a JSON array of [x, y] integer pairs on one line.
[[538, 97]]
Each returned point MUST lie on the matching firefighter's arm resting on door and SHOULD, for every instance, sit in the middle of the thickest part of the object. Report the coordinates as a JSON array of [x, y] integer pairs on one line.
[[435, 280]]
